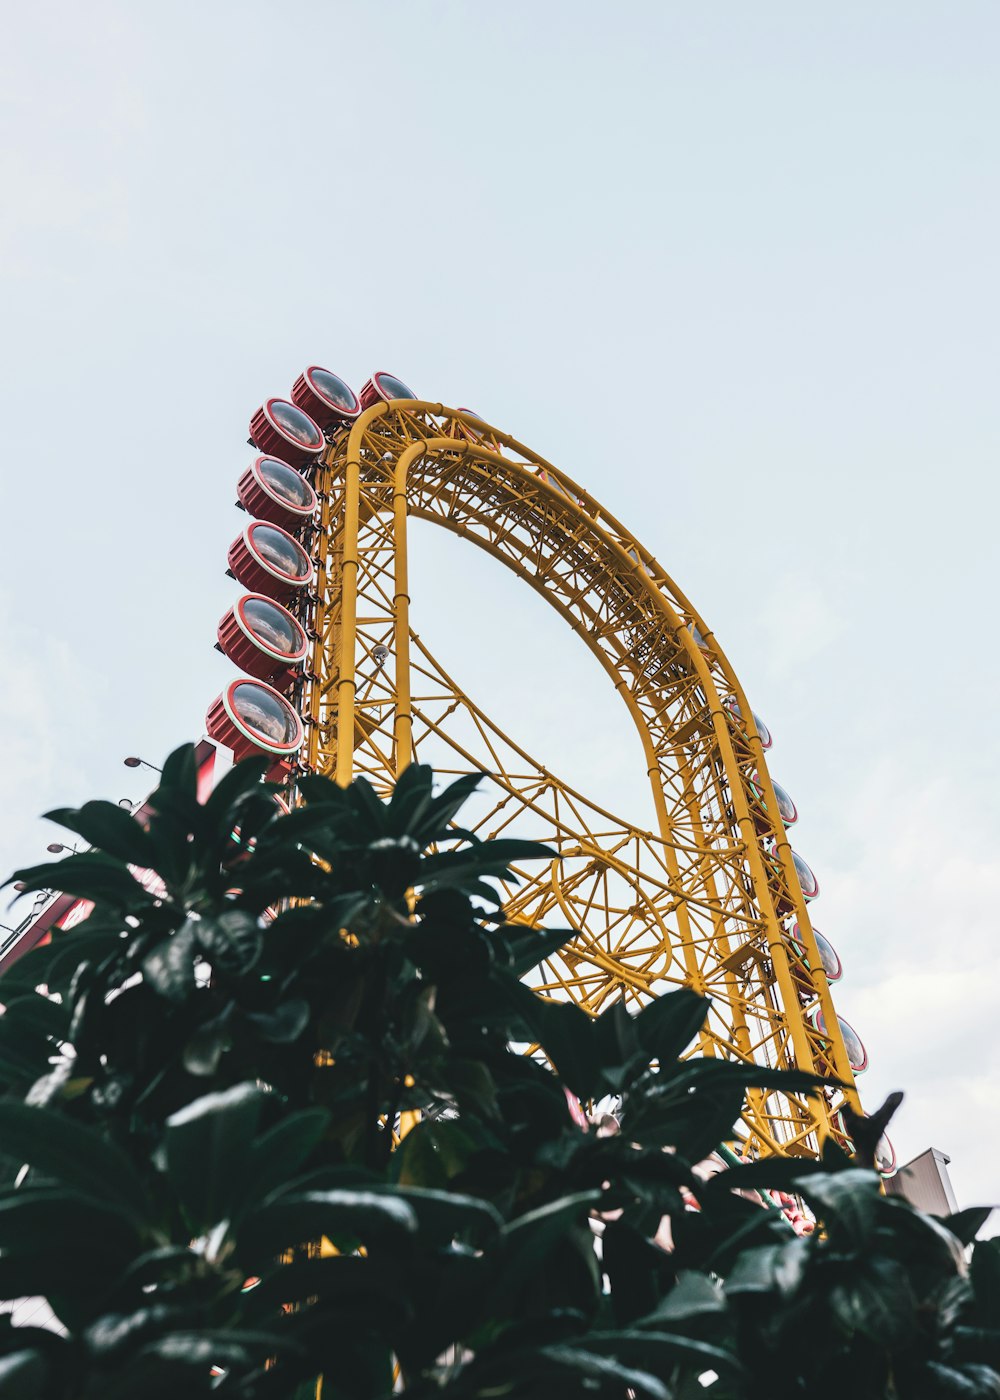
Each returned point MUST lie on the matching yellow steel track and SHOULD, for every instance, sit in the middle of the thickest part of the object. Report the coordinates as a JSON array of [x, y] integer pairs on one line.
[[704, 900]]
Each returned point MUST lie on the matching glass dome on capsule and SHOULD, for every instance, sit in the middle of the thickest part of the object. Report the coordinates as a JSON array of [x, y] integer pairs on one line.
[[857, 1055], [787, 810], [762, 731], [828, 955], [384, 387]]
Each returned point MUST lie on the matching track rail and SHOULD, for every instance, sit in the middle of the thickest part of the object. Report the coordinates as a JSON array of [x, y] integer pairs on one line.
[[705, 899]]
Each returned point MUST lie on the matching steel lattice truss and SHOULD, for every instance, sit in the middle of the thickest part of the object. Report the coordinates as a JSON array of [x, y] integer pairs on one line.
[[705, 900]]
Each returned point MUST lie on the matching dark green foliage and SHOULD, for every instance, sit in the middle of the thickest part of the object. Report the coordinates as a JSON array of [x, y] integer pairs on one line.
[[211, 1092]]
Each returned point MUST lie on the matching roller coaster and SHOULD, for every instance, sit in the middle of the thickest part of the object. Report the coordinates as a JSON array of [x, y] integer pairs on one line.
[[335, 680]]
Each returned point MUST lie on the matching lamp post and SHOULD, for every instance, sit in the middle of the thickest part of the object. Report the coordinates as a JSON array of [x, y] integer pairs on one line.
[[133, 761]]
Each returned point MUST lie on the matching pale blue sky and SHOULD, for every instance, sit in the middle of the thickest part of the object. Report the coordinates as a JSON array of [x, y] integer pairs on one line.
[[733, 267]]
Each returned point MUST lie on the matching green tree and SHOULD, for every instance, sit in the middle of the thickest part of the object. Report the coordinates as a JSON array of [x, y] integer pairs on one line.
[[210, 1085]]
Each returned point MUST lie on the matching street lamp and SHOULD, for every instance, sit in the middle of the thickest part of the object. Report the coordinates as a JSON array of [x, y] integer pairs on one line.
[[134, 762]]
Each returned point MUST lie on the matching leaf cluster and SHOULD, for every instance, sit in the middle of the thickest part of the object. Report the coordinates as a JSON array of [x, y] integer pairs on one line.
[[267, 1120]]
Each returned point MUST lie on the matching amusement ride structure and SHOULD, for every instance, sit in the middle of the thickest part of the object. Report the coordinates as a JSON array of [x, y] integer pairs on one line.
[[336, 681]]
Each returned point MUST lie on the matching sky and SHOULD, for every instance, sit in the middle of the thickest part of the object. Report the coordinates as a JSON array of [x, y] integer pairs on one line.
[[731, 267]]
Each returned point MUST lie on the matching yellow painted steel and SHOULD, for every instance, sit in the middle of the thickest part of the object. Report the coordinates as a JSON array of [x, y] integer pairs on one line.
[[707, 899]]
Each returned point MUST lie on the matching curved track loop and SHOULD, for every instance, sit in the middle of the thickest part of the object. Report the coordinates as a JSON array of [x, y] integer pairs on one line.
[[703, 901]]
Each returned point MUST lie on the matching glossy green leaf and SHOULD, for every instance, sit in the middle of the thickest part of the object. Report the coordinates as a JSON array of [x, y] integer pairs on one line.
[[770, 1173], [636, 1268], [87, 875], [284, 1024], [984, 1275], [180, 773], [232, 941], [847, 1202], [660, 1349], [449, 1215], [966, 1224], [207, 1146], [39, 1013], [23, 1376], [73, 1153], [411, 799], [591, 1372], [46, 1218], [278, 1154], [432, 1154], [756, 1271], [568, 1036], [967, 1382], [919, 1241], [109, 828], [875, 1299], [670, 1022], [693, 1296], [352, 1217], [529, 1239], [169, 967], [222, 804], [370, 813], [526, 947], [204, 1051]]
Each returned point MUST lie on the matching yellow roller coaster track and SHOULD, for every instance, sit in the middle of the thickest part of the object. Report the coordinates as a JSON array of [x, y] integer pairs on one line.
[[704, 901]]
